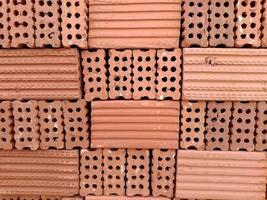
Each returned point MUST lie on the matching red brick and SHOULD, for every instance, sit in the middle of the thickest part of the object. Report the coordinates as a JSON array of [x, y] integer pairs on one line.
[[76, 124], [26, 125], [261, 128], [45, 197], [29, 197], [72, 198], [74, 23], [120, 78], [123, 198], [264, 25], [51, 125], [9, 197], [4, 18]]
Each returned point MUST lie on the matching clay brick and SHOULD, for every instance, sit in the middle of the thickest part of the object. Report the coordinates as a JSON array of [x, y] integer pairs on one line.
[[91, 182], [47, 23], [50, 173], [45, 197], [76, 124], [21, 23], [4, 26], [29, 197], [195, 23], [51, 125], [222, 24], [26, 126], [192, 127], [6, 126], [123, 198], [248, 23], [137, 178], [168, 70], [72, 198], [264, 24], [94, 72], [74, 23], [243, 126], [261, 128], [163, 172], [120, 78], [144, 77], [9, 197], [114, 171], [217, 126]]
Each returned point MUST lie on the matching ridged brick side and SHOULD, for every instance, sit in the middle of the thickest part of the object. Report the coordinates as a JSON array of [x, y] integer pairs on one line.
[[261, 127], [73, 198], [4, 25]]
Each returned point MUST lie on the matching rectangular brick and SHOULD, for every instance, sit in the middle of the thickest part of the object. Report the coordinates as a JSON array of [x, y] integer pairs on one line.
[[123, 198], [261, 127], [264, 25], [6, 126], [4, 32]]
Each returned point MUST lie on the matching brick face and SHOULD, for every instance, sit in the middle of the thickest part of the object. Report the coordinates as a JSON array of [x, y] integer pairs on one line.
[[261, 127], [4, 18]]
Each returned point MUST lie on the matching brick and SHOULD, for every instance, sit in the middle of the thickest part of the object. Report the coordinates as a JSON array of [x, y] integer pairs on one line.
[[6, 126], [45, 197], [74, 23], [222, 24], [248, 15], [195, 23], [261, 127], [192, 127], [29, 197], [264, 24], [144, 69], [114, 171], [163, 172], [243, 126], [47, 23], [4, 26], [169, 77], [21, 23], [137, 178], [9, 197], [91, 182], [51, 125], [120, 77], [50, 173], [76, 124], [123, 198], [72, 198], [26, 125], [95, 74], [217, 125]]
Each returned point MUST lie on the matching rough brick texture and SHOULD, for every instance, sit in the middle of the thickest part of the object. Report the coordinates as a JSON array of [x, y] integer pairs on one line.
[[4, 26], [123, 198], [261, 128], [264, 25]]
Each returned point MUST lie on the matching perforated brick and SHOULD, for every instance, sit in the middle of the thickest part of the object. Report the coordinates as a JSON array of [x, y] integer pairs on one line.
[[222, 23], [4, 26], [248, 23], [47, 15], [144, 70], [26, 125], [91, 182], [45, 197], [29, 197], [76, 124], [217, 125], [9, 197], [163, 172], [21, 23], [261, 128], [264, 24], [74, 23], [168, 74], [120, 78], [72, 198], [51, 125], [137, 183], [243, 126], [195, 23], [6, 126], [193, 125], [114, 171]]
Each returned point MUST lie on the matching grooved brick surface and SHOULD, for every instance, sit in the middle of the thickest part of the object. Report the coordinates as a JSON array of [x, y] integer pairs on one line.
[[4, 18], [261, 130], [95, 74], [243, 126], [26, 125], [42, 172], [76, 124], [123, 198], [193, 125], [72, 198]]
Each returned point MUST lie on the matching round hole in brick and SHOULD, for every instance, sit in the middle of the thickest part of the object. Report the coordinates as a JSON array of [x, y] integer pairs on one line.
[[140, 59]]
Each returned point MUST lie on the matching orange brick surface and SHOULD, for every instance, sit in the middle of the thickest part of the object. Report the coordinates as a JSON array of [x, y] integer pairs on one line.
[[4, 25]]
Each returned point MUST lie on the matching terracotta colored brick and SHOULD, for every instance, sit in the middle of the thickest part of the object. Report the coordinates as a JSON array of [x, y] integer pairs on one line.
[[74, 23], [243, 126], [144, 70], [6, 126], [222, 23], [9, 197], [114, 171], [137, 177], [120, 77], [163, 172], [193, 121], [76, 124], [261, 128], [195, 23], [95, 74], [4, 18], [51, 125], [264, 24], [45, 197], [21, 23], [123, 198], [47, 23], [169, 77], [26, 125], [72, 198], [217, 125], [248, 23], [29, 197], [91, 182]]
